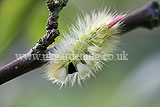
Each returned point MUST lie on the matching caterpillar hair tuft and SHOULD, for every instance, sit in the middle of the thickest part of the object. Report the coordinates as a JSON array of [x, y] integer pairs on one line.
[[73, 59]]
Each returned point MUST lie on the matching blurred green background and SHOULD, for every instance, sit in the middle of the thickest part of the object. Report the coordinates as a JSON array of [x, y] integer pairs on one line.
[[132, 83]]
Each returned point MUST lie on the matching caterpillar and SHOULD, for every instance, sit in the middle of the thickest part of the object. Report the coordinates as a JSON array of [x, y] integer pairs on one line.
[[73, 59]]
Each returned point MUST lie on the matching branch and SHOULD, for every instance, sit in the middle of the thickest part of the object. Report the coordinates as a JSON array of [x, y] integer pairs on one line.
[[28, 62], [146, 17]]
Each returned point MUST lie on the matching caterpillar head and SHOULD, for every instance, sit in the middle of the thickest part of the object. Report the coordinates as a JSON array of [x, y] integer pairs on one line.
[[80, 53]]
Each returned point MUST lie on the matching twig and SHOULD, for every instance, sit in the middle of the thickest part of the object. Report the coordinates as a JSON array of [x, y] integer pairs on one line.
[[28, 61], [147, 17], [54, 7]]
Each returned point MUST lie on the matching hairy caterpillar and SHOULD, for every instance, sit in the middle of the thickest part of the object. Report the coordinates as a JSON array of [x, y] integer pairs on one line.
[[94, 34]]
